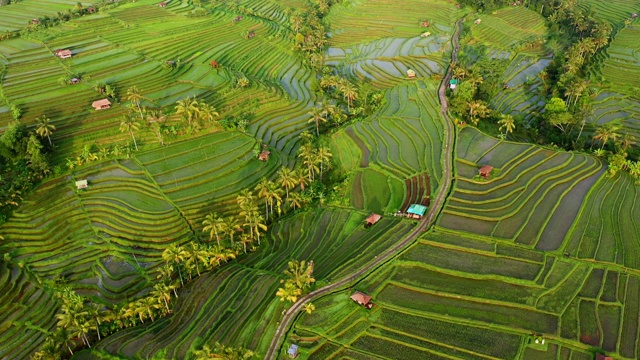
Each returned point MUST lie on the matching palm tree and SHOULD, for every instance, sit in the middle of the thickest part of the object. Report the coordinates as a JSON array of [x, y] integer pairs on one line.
[[208, 113], [263, 191], [188, 108], [45, 127], [323, 156], [606, 132], [63, 337], [350, 93], [162, 292], [286, 179], [96, 312], [129, 124], [289, 292], [301, 177], [274, 193], [243, 82], [175, 254], [295, 200], [307, 154], [300, 273], [212, 224], [507, 123], [626, 141], [195, 255], [154, 119], [146, 306], [134, 95], [244, 240], [296, 22], [231, 225], [317, 116]]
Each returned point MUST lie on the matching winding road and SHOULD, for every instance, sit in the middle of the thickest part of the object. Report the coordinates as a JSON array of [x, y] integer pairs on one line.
[[436, 205]]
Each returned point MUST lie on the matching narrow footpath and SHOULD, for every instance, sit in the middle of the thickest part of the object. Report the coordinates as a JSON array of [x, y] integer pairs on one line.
[[436, 205]]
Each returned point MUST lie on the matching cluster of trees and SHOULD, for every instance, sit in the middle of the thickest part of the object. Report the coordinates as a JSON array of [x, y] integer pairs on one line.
[[351, 100], [23, 160], [298, 279], [310, 37], [222, 352]]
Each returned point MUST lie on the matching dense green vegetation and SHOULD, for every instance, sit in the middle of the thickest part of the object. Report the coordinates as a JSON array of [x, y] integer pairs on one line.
[[246, 143]]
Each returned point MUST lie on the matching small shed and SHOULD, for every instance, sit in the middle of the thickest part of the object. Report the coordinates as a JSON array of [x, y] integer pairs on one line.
[[264, 155], [634, 15], [453, 83], [411, 74], [416, 211], [293, 351], [425, 23], [91, 10], [237, 19], [485, 171], [74, 80], [35, 21], [425, 34], [603, 357], [82, 184], [64, 54], [101, 104], [372, 219], [477, 21], [162, 4], [362, 299], [214, 64]]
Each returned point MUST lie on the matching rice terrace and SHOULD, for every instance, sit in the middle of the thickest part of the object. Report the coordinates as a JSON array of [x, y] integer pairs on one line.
[[320, 179]]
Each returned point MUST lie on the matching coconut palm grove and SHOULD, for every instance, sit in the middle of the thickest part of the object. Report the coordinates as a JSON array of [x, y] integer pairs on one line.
[[320, 179]]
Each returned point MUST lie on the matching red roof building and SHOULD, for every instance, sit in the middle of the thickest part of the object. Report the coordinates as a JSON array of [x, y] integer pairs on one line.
[[162, 4], [372, 219], [101, 104], [63, 54], [264, 155], [603, 357], [362, 299], [485, 171]]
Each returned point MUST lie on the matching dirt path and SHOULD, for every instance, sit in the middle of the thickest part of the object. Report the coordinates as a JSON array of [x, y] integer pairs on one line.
[[436, 204]]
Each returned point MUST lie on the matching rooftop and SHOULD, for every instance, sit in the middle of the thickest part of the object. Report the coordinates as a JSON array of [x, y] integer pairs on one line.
[[417, 209]]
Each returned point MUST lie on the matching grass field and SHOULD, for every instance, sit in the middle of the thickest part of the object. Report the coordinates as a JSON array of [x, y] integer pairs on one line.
[[456, 296]]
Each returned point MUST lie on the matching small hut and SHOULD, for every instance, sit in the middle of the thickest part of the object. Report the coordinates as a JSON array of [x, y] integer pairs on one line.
[[101, 104], [485, 171], [82, 184], [214, 64], [634, 15], [478, 21], [264, 155], [293, 351], [425, 34], [411, 74], [362, 299], [91, 10], [35, 21], [64, 54], [425, 24], [162, 4], [603, 357], [453, 83], [372, 219], [74, 80], [237, 19], [416, 211]]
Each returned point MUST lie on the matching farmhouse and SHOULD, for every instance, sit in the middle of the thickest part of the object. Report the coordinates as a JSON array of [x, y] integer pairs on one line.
[[416, 211], [101, 104], [63, 54], [82, 184], [264, 155], [453, 83], [411, 74], [485, 171], [293, 351], [372, 219], [362, 299]]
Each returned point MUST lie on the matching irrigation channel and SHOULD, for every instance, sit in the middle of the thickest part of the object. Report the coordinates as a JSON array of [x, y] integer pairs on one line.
[[436, 205]]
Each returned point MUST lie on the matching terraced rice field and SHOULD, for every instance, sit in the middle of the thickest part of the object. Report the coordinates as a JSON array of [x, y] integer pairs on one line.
[[128, 46], [19, 14], [531, 197], [607, 228], [237, 304], [614, 11], [520, 96], [508, 29], [455, 296]]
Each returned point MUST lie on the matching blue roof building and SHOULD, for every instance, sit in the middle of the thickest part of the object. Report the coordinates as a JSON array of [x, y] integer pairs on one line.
[[293, 351], [417, 210]]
